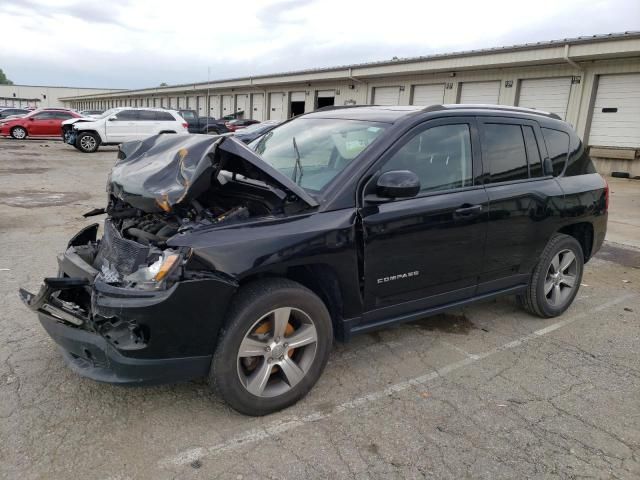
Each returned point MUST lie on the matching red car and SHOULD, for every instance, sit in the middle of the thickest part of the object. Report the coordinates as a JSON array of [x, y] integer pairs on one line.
[[39, 123]]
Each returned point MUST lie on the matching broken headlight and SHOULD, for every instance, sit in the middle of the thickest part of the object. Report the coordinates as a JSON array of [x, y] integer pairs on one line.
[[158, 273]]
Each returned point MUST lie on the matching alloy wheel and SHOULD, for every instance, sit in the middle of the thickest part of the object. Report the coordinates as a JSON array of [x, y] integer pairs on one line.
[[88, 142], [561, 278], [19, 133], [277, 352]]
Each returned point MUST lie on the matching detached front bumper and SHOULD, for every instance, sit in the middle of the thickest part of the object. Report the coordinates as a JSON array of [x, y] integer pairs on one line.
[[127, 336]]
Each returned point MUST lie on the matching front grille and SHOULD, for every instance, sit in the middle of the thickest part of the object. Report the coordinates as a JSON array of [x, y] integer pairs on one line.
[[115, 252]]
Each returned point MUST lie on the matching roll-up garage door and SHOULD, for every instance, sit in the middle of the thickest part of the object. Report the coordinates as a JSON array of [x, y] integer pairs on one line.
[[202, 106], [214, 106], [546, 94], [227, 105], [428, 94], [386, 96], [257, 108], [616, 112], [191, 103], [242, 104], [276, 106], [480, 92]]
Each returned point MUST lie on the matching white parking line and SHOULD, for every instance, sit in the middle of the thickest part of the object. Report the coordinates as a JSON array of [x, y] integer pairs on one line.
[[280, 426]]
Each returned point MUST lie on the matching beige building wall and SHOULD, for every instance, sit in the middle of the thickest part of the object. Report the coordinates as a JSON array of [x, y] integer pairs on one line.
[[42, 96]]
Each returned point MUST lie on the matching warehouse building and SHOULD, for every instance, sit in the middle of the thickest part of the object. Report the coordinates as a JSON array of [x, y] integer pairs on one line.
[[591, 82], [41, 96]]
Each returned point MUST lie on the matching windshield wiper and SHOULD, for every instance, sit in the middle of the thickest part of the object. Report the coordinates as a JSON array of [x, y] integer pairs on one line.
[[298, 165]]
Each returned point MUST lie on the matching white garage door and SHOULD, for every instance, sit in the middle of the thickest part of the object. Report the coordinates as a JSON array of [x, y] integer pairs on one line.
[[202, 106], [257, 108], [428, 94], [386, 96], [616, 112], [326, 93], [480, 92], [191, 103], [297, 96], [214, 106], [227, 105], [547, 94], [276, 106], [242, 104]]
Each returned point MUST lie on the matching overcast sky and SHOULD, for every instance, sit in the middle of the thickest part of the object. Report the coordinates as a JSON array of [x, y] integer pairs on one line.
[[141, 43]]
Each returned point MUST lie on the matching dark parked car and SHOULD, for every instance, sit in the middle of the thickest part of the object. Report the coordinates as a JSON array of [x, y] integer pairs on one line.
[[206, 125], [242, 264], [7, 112], [249, 134]]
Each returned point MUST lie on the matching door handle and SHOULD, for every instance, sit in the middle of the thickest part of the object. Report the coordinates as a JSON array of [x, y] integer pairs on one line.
[[468, 211]]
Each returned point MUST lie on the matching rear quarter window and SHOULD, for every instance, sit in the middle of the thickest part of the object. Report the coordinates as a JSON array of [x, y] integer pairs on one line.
[[558, 148]]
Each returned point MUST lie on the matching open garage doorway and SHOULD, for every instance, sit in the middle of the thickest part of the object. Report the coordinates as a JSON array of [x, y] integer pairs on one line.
[[325, 98], [297, 103]]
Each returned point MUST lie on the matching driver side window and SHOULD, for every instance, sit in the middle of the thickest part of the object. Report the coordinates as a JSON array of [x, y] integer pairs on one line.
[[42, 116], [440, 156]]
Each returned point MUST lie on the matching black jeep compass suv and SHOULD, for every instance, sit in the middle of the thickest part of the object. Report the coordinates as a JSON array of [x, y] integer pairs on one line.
[[242, 263]]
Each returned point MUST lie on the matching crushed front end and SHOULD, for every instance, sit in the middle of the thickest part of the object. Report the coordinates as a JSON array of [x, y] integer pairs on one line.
[[135, 306], [128, 313]]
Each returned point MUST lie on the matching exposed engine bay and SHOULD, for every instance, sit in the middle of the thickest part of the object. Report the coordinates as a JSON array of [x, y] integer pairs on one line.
[[168, 184]]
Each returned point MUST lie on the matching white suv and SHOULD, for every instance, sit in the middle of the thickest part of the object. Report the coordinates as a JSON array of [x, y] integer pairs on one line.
[[124, 124]]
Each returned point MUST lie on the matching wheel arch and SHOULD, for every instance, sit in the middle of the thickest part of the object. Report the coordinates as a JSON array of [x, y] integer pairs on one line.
[[583, 233], [80, 132], [321, 279]]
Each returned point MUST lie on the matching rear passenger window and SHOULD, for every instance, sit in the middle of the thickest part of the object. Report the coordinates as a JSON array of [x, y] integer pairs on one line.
[[127, 115], [558, 148], [147, 115], [504, 153], [440, 156], [164, 117], [533, 152]]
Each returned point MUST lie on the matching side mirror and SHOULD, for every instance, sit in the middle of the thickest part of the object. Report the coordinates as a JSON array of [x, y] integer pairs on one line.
[[31, 119], [111, 119], [398, 184], [547, 166]]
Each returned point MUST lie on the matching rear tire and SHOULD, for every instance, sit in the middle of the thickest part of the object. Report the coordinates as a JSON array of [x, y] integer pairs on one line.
[[19, 133], [87, 142], [279, 374], [556, 278]]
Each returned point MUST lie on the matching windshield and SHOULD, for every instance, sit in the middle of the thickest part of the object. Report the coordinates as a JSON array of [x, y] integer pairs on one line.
[[187, 114], [312, 151]]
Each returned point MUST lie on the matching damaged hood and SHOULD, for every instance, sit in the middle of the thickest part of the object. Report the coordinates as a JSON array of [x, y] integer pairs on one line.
[[164, 170]]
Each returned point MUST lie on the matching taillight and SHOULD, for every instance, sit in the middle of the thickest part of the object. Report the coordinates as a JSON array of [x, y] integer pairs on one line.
[[606, 194], [185, 125]]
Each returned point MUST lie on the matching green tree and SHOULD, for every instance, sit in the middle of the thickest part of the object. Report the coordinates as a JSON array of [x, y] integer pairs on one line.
[[163, 84], [3, 79]]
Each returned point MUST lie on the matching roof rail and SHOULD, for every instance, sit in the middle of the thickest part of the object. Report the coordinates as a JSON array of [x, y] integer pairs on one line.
[[506, 108], [339, 107]]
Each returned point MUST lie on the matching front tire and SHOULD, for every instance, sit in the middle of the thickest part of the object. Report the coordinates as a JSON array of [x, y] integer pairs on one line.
[[87, 142], [556, 278], [19, 133], [273, 348]]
